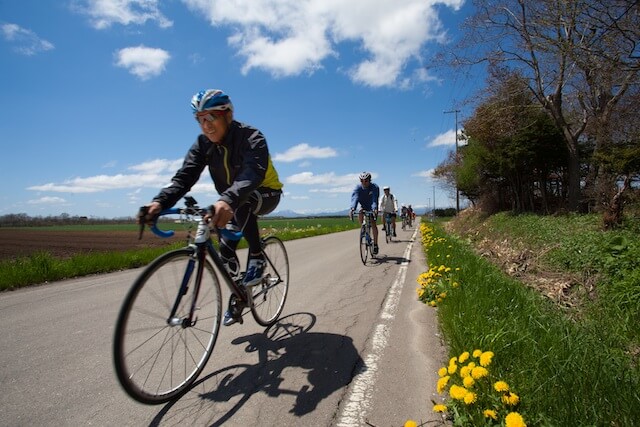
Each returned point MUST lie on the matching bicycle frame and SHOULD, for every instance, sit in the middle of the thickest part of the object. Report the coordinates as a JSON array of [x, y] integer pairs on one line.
[[202, 246]]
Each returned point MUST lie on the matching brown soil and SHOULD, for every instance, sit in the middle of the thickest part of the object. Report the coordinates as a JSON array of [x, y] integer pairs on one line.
[[64, 244], [565, 289]]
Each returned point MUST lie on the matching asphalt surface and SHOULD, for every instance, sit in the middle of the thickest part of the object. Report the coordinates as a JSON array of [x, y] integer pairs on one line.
[[354, 347]]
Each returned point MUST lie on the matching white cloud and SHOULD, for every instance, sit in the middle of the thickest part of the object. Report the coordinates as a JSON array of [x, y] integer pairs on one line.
[[428, 174], [104, 13], [144, 62], [47, 201], [291, 37], [152, 174], [158, 166], [305, 151], [327, 179], [25, 41], [447, 138]]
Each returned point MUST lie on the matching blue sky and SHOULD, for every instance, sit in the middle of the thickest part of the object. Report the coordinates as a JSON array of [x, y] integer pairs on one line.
[[95, 115]]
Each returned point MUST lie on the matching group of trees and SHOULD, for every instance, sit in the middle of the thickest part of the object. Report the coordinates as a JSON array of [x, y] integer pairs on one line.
[[557, 128], [24, 220]]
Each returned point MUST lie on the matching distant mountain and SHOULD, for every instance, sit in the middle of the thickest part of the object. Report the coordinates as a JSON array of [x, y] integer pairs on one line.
[[293, 214]]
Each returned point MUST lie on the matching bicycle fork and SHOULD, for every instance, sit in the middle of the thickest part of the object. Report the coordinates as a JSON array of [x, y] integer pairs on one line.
[[188, 321]]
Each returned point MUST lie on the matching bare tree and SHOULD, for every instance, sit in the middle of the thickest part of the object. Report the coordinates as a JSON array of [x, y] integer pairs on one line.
[[580, 58]]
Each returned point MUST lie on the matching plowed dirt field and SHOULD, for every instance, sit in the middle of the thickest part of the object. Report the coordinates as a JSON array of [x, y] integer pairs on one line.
[[20, 243]]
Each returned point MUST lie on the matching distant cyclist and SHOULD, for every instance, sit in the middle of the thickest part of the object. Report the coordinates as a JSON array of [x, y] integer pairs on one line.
[[367, 193], [389, 206], [239, 163], [403, 216], [410, 215]]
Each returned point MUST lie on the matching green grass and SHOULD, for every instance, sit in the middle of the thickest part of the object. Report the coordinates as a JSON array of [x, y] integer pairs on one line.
[[42, 267], [566, 372]]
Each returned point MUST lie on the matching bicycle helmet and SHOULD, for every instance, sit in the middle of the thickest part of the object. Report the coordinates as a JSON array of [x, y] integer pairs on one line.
[[211, 99], [364, 176]]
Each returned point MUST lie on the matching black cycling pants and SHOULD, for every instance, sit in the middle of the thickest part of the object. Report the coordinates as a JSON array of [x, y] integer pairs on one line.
[[261, 202]]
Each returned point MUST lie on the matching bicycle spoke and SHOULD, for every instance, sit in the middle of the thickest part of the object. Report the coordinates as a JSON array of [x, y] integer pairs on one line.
[[156, 362], [267, 299]]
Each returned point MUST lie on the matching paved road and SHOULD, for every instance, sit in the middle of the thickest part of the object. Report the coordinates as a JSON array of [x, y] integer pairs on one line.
[[354, 348]]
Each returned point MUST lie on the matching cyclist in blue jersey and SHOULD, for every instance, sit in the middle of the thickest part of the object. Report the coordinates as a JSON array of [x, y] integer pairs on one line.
[[240, 166], [367, 194]]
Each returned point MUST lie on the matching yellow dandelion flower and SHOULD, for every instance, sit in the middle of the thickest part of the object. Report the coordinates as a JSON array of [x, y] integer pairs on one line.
[[442, 372], [490, 413], [455, 285], [432, 303], [477, 353], [501, 386], [465, 371], [453, 360], [410, 423], [463, 357], [457, 392], [457, 268], [479, 372], [510, 399], [471, 365], [470, 398], [514, 419], [452, 369], [468, 381], [485, 358], [442, 383], [439, 408]]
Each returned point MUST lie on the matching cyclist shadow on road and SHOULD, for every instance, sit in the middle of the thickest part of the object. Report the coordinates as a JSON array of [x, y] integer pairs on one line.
[[328, 360], [384, 259]]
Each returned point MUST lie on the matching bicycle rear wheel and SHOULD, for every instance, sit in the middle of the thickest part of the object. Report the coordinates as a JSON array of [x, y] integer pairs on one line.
[[363, 246], [268, 296], [155, 361]]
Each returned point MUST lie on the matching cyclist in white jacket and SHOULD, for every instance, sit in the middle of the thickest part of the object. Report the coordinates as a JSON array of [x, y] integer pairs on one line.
[[389, 206]]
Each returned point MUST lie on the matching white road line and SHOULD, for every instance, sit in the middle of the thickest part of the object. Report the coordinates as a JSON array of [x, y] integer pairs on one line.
[[357, 403]]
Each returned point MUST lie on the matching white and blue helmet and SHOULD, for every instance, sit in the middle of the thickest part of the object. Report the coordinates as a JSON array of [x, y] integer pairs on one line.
[[211, 99]]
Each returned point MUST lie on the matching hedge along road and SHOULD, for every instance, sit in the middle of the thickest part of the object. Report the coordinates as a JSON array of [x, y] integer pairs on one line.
[[354, 346]]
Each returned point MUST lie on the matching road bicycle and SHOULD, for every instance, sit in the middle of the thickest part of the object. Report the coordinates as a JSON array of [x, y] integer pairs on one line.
[[170, 319], [405, 221], [388, 229], [365, 238]]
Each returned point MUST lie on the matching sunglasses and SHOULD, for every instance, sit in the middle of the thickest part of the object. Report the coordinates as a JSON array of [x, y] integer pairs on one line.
[[209, 116]]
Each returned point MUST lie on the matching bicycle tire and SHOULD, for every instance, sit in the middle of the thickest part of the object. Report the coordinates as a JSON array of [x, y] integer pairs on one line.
[[154, 361], [387, 230], [268, 296], [364, 250]]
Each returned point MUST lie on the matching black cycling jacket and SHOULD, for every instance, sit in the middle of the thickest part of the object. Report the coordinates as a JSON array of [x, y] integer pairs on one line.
[[238, 166]]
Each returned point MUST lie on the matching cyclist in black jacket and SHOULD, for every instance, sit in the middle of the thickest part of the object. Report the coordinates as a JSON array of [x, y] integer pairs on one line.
[[239, 163]]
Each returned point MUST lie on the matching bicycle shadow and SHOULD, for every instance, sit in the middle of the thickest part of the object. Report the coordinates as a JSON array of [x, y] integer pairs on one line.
[[391, 259], [329, 361]]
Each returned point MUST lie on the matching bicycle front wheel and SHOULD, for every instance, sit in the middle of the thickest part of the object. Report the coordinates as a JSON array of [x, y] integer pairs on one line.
[[268, 296], [364, 246], [157, 358], [387, 231]]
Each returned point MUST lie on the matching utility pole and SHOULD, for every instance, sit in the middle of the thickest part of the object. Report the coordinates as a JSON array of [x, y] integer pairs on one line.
[[457, 192]]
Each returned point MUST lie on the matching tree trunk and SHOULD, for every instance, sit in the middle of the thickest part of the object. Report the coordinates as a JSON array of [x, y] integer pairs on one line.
[[614, 214]]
